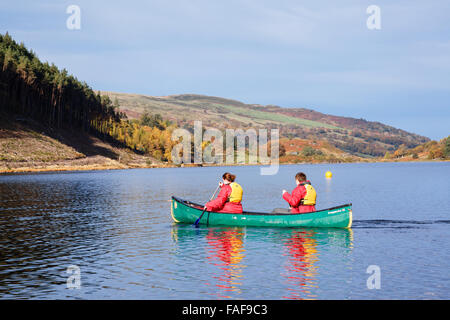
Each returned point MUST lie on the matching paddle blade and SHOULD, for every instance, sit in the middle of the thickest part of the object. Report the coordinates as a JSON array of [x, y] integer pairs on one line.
[[199, 218]]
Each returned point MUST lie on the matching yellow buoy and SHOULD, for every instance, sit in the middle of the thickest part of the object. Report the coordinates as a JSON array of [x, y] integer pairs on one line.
[[328, 174]]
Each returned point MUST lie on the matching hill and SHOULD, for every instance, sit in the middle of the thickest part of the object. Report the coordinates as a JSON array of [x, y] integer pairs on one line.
[[26, 146], [49, 120], [49, 116], [431, 150], [358, 137]]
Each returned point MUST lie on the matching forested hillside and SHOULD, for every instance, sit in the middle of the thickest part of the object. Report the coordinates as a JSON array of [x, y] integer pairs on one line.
[[42, 91], [50, 118], [31, 89]]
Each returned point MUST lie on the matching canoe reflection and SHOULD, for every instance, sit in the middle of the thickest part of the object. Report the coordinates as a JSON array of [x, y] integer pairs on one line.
[[300, 270], [226, 251], [303, 248]]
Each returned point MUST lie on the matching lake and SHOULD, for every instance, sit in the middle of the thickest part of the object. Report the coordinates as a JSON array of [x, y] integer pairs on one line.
[[114, 228]]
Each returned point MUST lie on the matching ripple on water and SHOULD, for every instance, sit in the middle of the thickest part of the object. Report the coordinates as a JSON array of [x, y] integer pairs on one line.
[[117, 228]]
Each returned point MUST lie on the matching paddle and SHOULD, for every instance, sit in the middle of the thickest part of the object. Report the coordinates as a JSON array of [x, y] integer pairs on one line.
[[199, 218]]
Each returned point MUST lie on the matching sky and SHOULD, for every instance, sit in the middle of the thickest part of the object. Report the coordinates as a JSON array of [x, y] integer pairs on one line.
[[317, 54]]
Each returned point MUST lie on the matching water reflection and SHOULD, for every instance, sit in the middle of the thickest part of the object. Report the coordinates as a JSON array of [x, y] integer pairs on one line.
[[226, 251], [292, 254], [301, 271], [116, 226], [46, 227], [303, 249]]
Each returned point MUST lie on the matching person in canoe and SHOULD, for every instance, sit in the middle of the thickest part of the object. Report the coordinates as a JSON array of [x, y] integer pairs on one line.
[[303, 197], [229, 198]]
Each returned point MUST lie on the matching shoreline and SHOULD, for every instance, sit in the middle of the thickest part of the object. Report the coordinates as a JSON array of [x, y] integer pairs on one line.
[[99, 167]]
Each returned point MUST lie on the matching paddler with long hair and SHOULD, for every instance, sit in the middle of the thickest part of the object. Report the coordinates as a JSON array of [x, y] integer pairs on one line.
[[229, 198]]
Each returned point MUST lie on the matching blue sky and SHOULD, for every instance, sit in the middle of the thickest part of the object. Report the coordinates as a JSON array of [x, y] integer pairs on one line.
[[312, 54]]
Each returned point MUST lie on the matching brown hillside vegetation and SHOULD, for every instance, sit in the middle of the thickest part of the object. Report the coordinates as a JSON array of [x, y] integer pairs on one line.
[[27, 146], [355, 136], [432, 150], [50, 120], [312, 151]]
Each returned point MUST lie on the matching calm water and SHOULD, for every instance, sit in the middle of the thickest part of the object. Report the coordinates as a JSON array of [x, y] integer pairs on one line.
[[116, 227]]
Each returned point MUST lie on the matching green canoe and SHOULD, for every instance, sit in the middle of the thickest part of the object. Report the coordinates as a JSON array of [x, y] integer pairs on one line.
[[184, 211]]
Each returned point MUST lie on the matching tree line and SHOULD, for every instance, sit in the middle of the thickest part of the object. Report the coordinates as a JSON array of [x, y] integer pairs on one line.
[[55, 98], [430, 150]]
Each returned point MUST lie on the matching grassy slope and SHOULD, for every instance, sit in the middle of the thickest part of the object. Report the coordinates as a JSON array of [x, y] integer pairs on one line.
[[343, 132], [276, 118], [211, 110]]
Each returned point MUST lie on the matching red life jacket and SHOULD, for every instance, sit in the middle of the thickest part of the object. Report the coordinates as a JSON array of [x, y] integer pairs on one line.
[[295, 200], [222, 203]]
